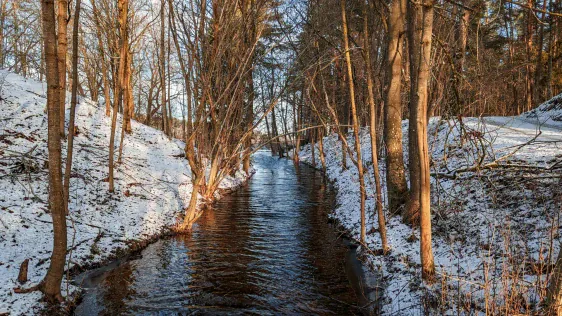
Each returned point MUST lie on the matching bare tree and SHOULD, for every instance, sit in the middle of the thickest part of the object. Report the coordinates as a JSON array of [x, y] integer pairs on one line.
[[373, 128], [123, 8], [162, 59], [62, 49], [420, 26], [73, 101], [355, 120], [52, 282], [395, 177]]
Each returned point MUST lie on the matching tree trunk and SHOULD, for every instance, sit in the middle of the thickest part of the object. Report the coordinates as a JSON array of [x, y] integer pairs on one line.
[[551, 43], [104, 70], [163, 69], [126, 99], [3, 4], [249, 116], [395, 176], [73, 101], [62, 47], [321, 149], [355, 120], [528, 68], [298, 114], [422, 73], [131, 101], [373, 130], [123, 8], [52, 281], [411, 212], [312, 146], [538, 93], [128, 93]]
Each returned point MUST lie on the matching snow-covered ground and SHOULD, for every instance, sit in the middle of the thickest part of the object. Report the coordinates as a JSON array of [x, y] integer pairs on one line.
[[153, 186], [495, 228]]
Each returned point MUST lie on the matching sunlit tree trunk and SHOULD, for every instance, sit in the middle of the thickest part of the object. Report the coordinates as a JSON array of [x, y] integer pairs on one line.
[[104, 70], [355, 120], [123, 8], [126, 96], [62, 47], [321, 148], [539, 87], [529, 51], [395, 177], [423, 21], [52, 281]]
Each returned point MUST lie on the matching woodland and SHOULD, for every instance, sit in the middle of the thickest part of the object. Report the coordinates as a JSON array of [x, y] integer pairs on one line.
[[438, 122]]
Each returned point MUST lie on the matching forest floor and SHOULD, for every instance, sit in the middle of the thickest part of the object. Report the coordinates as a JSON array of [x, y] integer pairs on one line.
[[153, 186], [495, 226]]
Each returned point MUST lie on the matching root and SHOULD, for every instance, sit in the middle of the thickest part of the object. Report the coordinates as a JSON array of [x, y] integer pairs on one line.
[[185, 226]]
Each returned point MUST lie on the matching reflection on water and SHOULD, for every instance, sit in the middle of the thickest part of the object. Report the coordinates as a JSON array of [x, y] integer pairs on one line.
[[267, 248]]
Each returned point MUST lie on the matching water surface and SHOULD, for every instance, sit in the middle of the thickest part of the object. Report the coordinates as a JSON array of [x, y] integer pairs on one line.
[[265, 249]]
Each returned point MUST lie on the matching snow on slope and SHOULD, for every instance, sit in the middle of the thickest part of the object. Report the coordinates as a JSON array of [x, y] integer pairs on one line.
[[153, 185], [493, 229]]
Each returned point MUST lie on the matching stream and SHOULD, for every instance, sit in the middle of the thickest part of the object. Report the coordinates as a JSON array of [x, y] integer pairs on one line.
[[267, 248]]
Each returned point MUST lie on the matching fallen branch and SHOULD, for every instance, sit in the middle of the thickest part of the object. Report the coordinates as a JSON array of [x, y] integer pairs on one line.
[[494, 164]]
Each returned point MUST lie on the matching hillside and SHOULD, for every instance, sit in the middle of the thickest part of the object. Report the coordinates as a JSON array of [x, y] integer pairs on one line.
[[153, 186], [495, 206]]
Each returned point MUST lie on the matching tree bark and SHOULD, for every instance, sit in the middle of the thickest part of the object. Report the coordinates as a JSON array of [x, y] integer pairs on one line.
[[529, 89], [123, 9], [73, 101], [421, 74], [163, 68], [52, 281], [298, 114], [62, 47], [373, 130], [321, 148], [106, 87], [355, 120], [395, 177], [126, 96], [411, 212], [3, 4]]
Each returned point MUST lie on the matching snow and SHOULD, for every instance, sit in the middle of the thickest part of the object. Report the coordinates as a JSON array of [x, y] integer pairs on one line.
[[493, 229], [153, 186]]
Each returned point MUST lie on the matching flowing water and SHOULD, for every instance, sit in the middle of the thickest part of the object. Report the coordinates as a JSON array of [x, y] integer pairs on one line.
[[265, 249]]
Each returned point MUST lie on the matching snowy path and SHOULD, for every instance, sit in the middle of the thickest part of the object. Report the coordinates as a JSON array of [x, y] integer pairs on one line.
[[528, 127]]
